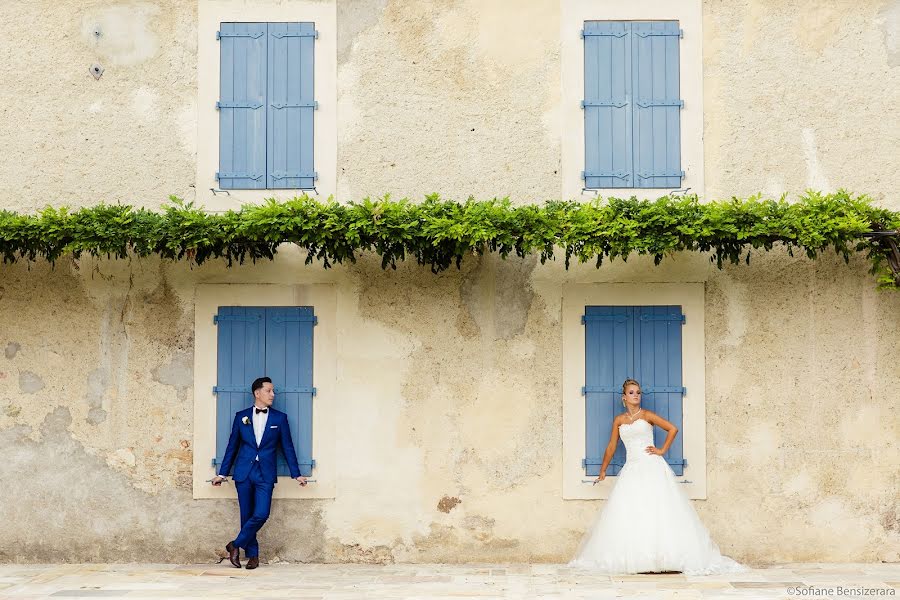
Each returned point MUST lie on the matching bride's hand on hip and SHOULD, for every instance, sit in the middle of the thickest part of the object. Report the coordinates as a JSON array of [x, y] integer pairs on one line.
[[654, 450]]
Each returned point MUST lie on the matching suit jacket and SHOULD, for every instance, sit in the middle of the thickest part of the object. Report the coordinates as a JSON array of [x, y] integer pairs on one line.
[[242, 449]]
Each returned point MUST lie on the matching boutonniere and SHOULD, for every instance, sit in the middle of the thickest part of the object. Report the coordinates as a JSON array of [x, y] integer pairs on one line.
[[245, 420]]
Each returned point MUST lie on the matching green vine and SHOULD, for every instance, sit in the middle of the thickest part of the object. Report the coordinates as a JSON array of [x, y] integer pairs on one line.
[[439, 233]]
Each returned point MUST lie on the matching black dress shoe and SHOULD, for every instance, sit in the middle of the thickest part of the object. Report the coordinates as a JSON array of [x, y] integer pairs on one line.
[[252, 562], [234, 554]]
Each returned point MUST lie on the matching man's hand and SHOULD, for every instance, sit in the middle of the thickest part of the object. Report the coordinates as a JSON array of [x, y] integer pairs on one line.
[[217, 480], [600, 477], [302, 481]]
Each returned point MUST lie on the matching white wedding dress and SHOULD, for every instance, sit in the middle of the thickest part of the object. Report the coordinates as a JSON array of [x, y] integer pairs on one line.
[[648, 523]]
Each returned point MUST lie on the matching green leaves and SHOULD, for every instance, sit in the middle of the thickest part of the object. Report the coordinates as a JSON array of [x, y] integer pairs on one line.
[[440, 233]]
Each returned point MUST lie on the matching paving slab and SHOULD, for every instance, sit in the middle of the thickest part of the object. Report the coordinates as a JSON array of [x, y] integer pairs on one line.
[[442, 582]]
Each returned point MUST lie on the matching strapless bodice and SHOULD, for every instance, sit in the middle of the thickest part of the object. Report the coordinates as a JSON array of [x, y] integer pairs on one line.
[[636, 437]]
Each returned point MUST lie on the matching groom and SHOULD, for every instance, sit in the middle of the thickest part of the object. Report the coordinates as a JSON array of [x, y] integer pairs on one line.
[[256, 434]]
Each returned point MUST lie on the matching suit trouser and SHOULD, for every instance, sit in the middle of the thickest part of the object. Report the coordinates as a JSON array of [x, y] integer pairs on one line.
[[255, 500]]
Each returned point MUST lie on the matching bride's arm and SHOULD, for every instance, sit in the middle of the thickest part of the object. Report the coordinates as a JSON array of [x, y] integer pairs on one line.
[[655, 419], [610, 449]]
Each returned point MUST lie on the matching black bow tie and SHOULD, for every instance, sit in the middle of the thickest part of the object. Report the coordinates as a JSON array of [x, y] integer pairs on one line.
[[262, 410]]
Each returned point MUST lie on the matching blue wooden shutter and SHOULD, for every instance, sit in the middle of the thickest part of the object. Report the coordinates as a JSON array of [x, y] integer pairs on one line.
[[242, 106], [658, 367], [657, 100], [241, 342], [289, 362], [608, 351], [607, 105], [291, 105], [640, 342]]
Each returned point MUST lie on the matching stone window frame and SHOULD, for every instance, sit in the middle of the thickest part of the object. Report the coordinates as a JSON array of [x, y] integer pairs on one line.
[[689, 14], [690, 296], [208, 298], [210, 14]]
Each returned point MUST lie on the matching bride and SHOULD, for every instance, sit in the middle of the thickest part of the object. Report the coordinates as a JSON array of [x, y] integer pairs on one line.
[[648, 523]]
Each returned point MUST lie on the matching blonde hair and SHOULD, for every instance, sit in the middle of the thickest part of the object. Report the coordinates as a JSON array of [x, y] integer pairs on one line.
[[625, 385]]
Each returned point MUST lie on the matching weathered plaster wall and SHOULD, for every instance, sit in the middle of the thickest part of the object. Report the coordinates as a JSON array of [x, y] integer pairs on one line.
[[449, 413], [797, 95], [449, 386], [70, 139]]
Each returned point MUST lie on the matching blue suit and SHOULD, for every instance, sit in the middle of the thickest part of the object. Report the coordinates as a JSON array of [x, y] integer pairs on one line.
[[255, 479]]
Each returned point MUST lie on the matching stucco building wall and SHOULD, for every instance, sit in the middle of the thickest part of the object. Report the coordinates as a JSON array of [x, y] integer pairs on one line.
[[449, 401]]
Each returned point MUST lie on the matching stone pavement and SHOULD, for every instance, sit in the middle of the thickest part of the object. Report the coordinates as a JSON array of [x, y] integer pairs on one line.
[[340, 582]]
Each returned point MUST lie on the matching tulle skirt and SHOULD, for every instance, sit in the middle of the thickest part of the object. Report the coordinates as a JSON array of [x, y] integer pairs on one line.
[[649, 525]]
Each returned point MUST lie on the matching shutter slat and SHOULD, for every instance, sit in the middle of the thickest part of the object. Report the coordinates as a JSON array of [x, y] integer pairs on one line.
[[291, 106], [242, 128]]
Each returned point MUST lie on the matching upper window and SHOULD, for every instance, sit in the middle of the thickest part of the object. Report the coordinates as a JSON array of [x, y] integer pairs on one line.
[[271, 341], [631, 342], [266, 103], [632, 105]]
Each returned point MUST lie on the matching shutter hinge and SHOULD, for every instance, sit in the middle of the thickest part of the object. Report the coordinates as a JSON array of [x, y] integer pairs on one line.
[[301, 34], [214, 462], [276, 175], [253, 176], [651, 103], [314, 391], [279, 105], [648, 175], [613, 103], [254, 105], [315, 321], [616, 174], [255, 35]]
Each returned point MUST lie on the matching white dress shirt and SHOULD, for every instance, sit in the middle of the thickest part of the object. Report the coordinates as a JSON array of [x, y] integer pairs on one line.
[[259, 424]]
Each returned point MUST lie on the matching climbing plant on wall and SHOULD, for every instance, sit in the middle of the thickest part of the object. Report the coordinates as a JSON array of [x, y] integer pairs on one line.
[[440, 233]]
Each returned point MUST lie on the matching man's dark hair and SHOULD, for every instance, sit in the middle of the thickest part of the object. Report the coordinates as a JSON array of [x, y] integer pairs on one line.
[[257, 383]]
